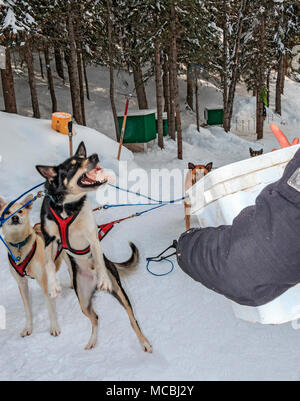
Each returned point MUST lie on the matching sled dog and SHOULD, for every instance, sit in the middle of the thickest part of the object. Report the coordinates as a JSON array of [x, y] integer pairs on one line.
[[67, 221], [29, 247], [193, 175]]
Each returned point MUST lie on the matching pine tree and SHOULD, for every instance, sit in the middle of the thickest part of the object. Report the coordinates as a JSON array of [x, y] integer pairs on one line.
[[229, 18], [285, 26]]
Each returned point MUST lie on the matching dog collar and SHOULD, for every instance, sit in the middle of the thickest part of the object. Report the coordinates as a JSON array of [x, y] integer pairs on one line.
[[49, 196], [20, 245]]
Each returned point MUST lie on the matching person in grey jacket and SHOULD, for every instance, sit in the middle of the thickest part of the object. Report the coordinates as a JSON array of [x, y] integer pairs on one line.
[[257, 258]]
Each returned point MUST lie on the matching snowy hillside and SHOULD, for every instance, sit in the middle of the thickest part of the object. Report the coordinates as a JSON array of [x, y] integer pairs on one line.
[[88, 58], [37, 143]]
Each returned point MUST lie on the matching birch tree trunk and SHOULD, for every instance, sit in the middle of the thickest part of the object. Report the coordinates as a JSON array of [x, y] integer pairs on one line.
[[8, 85]]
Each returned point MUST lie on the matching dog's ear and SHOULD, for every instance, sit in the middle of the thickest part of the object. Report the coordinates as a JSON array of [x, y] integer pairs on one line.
[[191, 166], [209, 166], [2, 203], [28, 199], [250, 151], [47, 172], [81, 151]]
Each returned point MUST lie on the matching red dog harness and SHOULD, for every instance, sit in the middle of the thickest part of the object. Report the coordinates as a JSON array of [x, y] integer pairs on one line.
[[63, 226], [21, 267]]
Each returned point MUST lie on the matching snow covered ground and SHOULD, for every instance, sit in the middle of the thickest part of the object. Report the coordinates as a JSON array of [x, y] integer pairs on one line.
[[194, 333]]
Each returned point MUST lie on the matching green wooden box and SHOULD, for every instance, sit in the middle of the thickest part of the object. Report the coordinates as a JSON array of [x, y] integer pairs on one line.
[[214, 115], [140, 126], [165, 124]]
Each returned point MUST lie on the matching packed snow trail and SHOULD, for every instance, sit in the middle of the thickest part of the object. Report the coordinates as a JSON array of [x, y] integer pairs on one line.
[[193, 331]]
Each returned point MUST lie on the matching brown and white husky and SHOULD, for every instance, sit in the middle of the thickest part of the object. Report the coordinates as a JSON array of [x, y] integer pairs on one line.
[[196, 171], [30, 248]]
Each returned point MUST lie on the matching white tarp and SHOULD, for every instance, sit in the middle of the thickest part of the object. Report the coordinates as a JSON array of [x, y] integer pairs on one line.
[[2, 57]]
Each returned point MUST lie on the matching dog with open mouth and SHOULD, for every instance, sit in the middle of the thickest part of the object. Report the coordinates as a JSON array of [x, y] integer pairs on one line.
[[29, 247], [67, 222]]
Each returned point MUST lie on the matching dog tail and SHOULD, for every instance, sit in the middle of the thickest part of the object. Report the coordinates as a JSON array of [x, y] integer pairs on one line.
[[132, 262]]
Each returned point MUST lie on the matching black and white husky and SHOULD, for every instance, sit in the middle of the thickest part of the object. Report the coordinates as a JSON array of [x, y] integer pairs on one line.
[[67, 221]]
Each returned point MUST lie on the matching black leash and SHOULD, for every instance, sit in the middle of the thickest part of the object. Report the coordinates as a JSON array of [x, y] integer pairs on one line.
[[160, 258]]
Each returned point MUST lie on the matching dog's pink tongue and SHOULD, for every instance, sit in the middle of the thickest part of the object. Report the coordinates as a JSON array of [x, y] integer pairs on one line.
[[92, 175], [99, 174]]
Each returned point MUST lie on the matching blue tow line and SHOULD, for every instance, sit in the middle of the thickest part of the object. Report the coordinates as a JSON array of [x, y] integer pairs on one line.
[[4, 220], [156, 205], [155, 202]]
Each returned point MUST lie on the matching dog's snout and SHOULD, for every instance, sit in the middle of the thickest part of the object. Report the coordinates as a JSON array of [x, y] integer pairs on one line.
[[15, 219], [94, 158]]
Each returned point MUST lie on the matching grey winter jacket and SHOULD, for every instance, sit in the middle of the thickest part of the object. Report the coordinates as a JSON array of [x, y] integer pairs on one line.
[[257, 258]]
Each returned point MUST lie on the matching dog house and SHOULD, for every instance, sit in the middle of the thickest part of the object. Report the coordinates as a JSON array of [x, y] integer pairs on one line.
[[214, 115], [140, 126], [221, 195]]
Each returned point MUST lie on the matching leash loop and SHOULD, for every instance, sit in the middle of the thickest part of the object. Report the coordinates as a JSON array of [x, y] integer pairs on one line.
[[160, 258], [159, 274]]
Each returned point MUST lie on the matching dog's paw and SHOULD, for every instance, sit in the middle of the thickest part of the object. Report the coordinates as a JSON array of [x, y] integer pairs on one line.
[[104, 283], [91, 344], [26, 332], [147, 347], [54, 290], [55, 331]]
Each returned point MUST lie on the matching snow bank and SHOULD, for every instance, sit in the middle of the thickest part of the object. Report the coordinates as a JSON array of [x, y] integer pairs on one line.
[[217, 145], [26, 142], [245, 108]]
